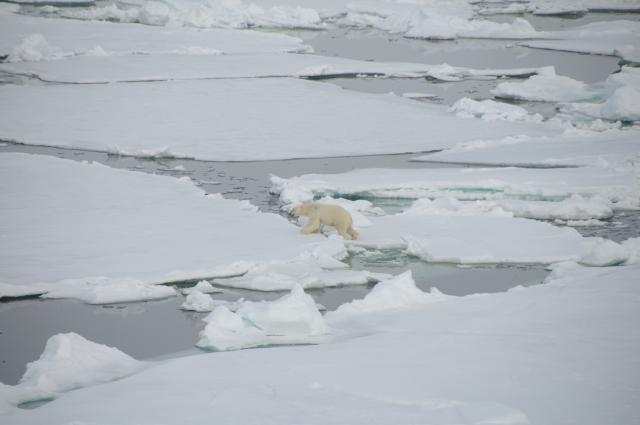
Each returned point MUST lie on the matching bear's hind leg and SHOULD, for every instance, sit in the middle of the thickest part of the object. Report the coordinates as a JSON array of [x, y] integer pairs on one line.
[[351, 231]]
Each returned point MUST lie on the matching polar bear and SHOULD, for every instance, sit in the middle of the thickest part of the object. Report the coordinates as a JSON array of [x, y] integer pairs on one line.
[[330, 215]]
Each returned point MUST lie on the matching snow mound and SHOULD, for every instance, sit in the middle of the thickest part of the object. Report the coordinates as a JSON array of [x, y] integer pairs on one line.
[[291, 319], [69, 361], [395, 293]]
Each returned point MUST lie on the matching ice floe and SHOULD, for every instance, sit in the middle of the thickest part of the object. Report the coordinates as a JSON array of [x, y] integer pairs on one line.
[[93, 68], [316, 120], [618, 189], [614, 38], [606, 149], [454, 353], [86, 230], [68, 37], [291, 319], [204, 286], [69, 361]]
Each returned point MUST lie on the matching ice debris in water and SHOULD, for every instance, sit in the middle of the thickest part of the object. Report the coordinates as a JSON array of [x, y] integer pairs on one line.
[[203, 286], [70, 361], [491, 110], [291, 319]]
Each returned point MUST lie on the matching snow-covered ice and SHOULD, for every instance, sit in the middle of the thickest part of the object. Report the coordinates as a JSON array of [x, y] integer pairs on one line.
[[85, 230], [72, 37], [612, 148], [291, 319], [571, 341], [69, 361], [176, 66], [204, 118]]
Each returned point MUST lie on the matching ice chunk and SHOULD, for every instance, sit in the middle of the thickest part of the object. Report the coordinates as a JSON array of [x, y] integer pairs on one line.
[[492, 111], [601, 252], [395, 293], [69, 361], [200, 302], [623, 105], [291, 319], [203, 286], [314, 122]]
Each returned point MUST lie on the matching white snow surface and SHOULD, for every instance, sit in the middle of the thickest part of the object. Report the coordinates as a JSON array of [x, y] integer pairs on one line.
[[110, 68], [69, 361], [71, 227], [203, 120], [548, 87], [292, 319], [73, 37], [608, 149], [458, 359]]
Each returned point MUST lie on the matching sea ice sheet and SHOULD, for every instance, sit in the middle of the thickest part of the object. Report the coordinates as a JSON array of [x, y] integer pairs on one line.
[[70, 226], [110, 68], [72, 37], [612, 148], [210, 119]]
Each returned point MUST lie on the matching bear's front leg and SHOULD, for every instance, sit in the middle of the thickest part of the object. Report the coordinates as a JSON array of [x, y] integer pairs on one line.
[[313, 226]]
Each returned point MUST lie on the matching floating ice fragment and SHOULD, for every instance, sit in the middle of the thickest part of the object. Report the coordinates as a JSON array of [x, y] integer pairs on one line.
[[291, 319], [397, 292], [69, 361]]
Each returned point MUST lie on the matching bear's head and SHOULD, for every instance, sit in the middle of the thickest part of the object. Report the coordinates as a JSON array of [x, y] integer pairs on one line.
[[303, 209]]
